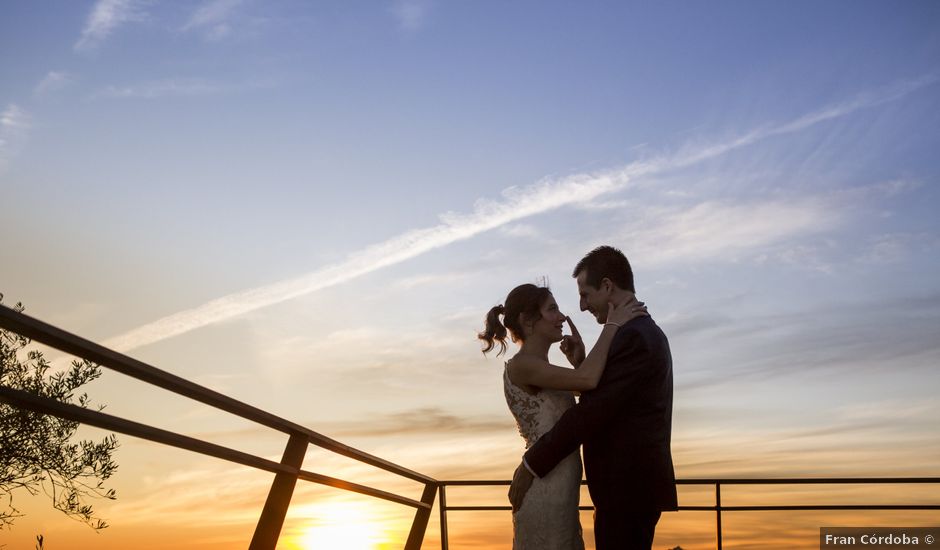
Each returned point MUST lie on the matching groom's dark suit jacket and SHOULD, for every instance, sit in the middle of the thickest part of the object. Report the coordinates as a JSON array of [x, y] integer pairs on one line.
[[625, 426]]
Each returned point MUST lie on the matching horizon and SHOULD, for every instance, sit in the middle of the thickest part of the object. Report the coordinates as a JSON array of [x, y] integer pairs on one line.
[[310, 208]]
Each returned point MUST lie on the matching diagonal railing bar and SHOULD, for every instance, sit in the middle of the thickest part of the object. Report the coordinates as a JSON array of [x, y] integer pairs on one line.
[[287, 472], [361, 489], [45, 405], [55, 337]]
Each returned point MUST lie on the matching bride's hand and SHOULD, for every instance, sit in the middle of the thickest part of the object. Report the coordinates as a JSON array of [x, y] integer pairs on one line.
[[573, 346], [624, 313]]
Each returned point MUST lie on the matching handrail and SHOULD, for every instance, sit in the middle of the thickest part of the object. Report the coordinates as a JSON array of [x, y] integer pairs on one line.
[[287, 472], [45, 405], [45, 333], [718, 508]]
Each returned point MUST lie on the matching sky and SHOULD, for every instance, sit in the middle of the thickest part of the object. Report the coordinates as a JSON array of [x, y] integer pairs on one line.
[[311, 206]]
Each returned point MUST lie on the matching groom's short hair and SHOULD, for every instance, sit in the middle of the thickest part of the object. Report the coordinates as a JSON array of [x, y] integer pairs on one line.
[[606, 262]]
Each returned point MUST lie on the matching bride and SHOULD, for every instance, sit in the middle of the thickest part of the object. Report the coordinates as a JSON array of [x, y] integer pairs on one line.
[[538, 393]]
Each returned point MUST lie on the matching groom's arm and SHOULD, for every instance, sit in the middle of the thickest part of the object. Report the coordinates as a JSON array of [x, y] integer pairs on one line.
[[628, 372]]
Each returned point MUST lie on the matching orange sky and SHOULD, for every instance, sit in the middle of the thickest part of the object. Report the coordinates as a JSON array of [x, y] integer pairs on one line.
[[210, 504]]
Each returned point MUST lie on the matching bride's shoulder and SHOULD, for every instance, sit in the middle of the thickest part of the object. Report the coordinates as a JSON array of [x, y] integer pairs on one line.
[[523, 361], [519, 369]]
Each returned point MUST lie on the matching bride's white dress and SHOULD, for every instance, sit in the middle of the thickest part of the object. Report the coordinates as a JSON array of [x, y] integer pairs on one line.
[[548, 518]]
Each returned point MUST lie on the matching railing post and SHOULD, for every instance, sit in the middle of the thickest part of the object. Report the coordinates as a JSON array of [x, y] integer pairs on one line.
[[718, 510], [422, 515], [269, 525], [443, 506]]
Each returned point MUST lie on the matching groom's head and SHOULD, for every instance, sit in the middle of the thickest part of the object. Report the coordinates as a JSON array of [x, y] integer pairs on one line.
[[603, 276]]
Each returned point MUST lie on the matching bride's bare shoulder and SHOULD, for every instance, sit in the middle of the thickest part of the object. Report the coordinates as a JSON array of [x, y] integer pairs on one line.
[[518, 367], [522, 363]]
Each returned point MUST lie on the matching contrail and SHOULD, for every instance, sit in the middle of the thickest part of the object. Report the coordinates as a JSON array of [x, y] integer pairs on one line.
[[517, 203]]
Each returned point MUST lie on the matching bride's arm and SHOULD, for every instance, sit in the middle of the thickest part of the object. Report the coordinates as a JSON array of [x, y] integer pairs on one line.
[[533, 371]]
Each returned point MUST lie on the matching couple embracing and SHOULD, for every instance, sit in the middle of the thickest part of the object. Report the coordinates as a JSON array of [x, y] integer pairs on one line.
[[623, 419]]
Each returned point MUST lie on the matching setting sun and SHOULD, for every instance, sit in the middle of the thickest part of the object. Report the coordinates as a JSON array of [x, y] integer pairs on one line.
[[346, 525]]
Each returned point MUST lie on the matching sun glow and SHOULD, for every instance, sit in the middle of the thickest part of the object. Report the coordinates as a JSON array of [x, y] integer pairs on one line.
[[346, 525]]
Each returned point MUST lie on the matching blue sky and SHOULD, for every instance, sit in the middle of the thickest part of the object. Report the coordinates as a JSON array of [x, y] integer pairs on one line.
[[310, 206]]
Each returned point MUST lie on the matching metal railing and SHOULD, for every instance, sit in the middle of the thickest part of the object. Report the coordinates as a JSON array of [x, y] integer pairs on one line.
[[718, 508], [286, 472], [289, 469]]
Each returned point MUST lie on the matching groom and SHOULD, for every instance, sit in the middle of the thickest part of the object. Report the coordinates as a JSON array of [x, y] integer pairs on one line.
[[624, 424]]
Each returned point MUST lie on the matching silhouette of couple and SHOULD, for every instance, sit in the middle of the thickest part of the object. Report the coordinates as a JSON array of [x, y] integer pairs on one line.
[[623, 419]]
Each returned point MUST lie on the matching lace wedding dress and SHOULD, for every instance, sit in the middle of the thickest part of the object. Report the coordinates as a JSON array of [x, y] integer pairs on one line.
[[548, 518]]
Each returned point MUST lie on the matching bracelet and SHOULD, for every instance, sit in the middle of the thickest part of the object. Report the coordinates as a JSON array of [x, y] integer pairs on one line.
[[615, 324]]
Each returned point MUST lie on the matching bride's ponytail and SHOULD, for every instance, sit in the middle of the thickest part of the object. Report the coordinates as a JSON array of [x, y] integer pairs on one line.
[[494, 331]]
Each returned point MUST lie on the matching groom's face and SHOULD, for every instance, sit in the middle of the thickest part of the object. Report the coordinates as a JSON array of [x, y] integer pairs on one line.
[[595, 300]]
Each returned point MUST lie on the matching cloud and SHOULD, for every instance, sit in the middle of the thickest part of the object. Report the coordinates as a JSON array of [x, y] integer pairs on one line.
[[888, 432], [828, 339], [888, 248], [212, 19], [721, 230], [411, 14], [14, 126], [14, 118], [105, 17], [605, 205], [896, 187], [522, 230], [171, 87], [52, 82], [518, 203], [385, 358], [894, 247], [424, 421], [415, 281], [864, 100], [815, 257]]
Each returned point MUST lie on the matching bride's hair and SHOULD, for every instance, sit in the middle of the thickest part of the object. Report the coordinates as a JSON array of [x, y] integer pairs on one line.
[[526, 299]]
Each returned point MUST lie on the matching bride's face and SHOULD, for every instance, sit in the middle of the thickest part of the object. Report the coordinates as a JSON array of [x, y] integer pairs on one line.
[[550, 325]]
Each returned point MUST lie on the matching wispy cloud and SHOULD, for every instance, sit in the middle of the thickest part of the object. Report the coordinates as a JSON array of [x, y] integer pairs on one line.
[[605, 205], [517, 203], [899, 186], [52, 82], [426, 421], [895, 247], [864, 100], [841, 339], [212, 18], [14, 118], [384, 354], [171, 87], [105, 17], [411, 14], [14, 125], [715, 230], [521, 230], [417, 281]]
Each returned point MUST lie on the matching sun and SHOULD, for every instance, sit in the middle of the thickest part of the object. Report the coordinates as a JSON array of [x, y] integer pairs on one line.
[[345, 525]]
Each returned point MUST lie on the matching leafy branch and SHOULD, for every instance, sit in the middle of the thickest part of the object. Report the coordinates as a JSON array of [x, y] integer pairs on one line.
[[37, 452]]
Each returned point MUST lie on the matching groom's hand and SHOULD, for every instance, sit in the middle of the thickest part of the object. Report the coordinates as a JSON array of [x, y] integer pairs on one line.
[[521, 481], [573, 346]]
